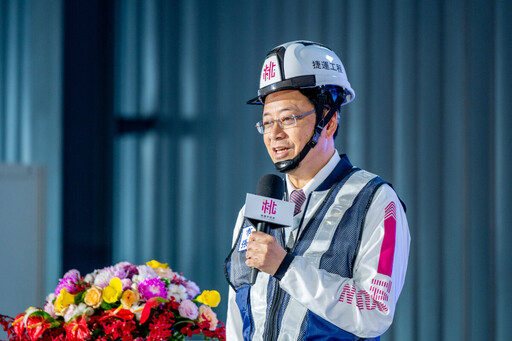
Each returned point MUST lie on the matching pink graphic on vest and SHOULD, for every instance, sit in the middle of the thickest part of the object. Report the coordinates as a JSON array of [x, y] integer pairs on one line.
[[380, 289], [364, 301], [347, 294], [387, 251]]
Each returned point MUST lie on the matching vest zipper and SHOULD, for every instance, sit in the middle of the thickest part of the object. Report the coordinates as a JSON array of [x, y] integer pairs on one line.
[[276, 302], [272, 320]]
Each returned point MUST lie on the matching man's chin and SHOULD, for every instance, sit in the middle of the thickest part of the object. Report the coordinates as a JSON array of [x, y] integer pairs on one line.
[[282, 159]]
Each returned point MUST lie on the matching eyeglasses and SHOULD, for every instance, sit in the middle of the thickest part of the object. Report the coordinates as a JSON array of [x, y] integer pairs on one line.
[[285, 121]]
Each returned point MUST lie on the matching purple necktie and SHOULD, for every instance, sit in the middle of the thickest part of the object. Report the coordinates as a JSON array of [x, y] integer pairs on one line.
[[298, 197]]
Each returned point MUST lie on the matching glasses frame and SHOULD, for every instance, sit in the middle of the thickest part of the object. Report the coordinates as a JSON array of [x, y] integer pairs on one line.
[[261, 128]]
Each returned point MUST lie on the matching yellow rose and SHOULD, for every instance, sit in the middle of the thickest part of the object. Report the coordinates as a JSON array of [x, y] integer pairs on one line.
[[93, 296], [209, 297], [129, 298], [114, 290], [155, 264], [63, 300]]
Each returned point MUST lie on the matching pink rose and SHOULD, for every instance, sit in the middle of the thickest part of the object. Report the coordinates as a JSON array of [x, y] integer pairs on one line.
[[206, 314], [188, 309]]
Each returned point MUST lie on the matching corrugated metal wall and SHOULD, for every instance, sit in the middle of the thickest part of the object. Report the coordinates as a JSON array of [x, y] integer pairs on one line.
[[30, 104], [432, 115]]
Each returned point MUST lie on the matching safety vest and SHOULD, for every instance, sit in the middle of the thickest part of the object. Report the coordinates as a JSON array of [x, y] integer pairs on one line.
[[347, 189]]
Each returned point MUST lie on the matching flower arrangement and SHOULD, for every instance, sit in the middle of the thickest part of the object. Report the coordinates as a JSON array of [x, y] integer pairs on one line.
[[121, 302]]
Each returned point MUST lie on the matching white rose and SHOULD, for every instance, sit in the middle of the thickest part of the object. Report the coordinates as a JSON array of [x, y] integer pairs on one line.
[[84, 309], [89, 278], [69, 312], [177, 291]]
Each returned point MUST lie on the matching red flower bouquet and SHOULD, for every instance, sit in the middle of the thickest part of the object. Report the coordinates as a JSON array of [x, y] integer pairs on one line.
[[122, 302]]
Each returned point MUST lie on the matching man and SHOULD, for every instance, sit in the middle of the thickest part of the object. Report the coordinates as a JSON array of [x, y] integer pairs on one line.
[[336, 274]]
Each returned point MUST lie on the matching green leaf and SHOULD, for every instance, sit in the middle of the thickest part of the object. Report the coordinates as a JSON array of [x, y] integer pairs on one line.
[[41, 313], [108, 306], [177, 336], [79, 298], [47, 317], [159, 299]]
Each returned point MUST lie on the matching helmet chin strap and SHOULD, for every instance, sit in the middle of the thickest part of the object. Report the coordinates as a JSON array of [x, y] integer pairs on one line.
[[291, 164]]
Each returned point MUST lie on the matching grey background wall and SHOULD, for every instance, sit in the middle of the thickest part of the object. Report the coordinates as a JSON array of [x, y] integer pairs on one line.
[[137, 111]]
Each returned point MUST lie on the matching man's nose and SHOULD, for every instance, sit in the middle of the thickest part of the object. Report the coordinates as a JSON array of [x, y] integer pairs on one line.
[[276, 129]]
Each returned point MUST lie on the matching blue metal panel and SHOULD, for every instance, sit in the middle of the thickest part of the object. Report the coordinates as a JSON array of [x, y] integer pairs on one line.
[[453, 282], [404, 91], [479, 97], [30, 103], [428, 236], [503, 164]]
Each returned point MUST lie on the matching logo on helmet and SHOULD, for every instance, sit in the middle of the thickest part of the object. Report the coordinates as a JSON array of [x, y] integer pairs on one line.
[[269, 71]]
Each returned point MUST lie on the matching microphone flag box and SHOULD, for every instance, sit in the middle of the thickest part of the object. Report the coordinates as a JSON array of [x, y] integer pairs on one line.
[[276, 212]]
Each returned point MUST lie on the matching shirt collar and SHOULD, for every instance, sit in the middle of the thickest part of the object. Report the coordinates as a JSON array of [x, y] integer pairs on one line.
[[318, 178]]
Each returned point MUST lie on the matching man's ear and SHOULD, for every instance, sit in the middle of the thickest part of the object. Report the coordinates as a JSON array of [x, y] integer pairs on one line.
[[331, 126]]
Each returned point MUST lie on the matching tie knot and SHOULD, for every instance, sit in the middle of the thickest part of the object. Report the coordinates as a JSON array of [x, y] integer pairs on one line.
[[298, 197]]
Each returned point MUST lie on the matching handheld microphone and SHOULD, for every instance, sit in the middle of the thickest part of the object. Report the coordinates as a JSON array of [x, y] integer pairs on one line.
[[269, 210]]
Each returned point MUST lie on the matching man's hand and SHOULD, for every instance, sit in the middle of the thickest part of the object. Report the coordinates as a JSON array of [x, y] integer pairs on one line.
[[264, 252]]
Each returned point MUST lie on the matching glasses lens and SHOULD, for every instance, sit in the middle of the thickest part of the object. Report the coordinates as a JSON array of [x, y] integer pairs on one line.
[[259, 128], [265, 127], [287, 121]]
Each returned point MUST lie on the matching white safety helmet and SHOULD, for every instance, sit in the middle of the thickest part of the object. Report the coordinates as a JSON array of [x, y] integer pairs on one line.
[[301, 65]]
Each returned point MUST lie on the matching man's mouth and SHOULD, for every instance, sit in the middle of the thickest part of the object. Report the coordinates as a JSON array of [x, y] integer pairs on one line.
[[280, 152]]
